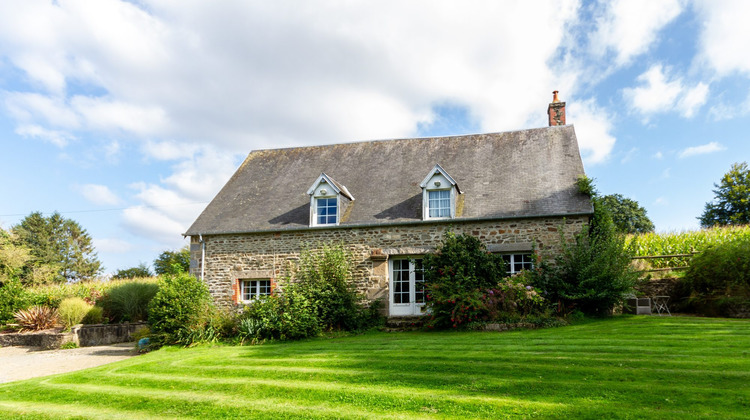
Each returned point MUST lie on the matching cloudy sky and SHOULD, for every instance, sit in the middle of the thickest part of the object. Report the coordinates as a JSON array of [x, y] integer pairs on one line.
[[129, 116]]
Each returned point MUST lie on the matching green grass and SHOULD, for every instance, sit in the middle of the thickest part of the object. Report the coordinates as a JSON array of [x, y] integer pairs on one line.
[[628, 367]]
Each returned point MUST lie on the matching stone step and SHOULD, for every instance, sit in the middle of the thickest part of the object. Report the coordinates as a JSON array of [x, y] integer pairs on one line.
[[404, 323]]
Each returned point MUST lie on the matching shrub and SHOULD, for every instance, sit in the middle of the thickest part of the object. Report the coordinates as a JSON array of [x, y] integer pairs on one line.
[[457, 277], [514, 299], [95, 315], [141, 270], [323, 281], [289, 316], [181, 305], [128, 301], [718, 280], [37, 318], [72, 311], [593, 274], [13, 297]]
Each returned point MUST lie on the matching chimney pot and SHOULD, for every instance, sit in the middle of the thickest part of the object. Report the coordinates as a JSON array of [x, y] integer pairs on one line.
[[556, 111]]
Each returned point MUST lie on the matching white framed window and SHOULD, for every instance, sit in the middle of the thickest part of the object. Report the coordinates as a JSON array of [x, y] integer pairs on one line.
[[326, 201], [439, 191], [439, 203], [406, 286], [326, 211], [515, 263], [254, 289]]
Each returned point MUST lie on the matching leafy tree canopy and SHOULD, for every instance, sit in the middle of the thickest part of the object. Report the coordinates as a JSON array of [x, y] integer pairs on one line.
[[173, 262], [141, 270], [732, 202], [627, 215], [60, 248]]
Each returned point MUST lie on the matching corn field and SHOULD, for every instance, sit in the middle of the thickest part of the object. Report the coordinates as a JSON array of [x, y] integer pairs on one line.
[[686, 242]]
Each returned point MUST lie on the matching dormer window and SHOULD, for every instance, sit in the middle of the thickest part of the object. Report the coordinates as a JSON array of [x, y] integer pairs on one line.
[[326, 202], [439, 192]]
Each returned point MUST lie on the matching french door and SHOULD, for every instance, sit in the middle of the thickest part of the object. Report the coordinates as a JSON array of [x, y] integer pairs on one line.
[[406, 287]]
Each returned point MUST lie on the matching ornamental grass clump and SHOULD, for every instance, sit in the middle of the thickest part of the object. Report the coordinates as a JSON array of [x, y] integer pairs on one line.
[[37, 318], [128, 301], [72, 311]]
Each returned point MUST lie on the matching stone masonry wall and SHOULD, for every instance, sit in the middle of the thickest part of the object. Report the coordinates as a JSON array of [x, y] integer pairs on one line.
[[271, 255]]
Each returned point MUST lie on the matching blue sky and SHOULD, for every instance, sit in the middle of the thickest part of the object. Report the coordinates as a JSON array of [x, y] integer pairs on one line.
[[129, 116]]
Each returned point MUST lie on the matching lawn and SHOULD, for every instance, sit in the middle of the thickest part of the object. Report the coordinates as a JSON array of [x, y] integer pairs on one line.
[[627, 367]]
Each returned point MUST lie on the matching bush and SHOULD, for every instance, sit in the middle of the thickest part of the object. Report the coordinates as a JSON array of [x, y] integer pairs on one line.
[[179, 309], [718, 280], [593, 274], [457, 278], [95, 315], [72, 311], [36, 318], [290, 316], [13, 297], [321, 298], [128, 301], [141, 270], [514, 299]]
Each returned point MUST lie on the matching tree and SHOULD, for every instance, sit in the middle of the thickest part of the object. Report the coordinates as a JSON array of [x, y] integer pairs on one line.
[[627, 215], [141, 270], [58, 246], [13, 257], [732, 203], [173, 262]]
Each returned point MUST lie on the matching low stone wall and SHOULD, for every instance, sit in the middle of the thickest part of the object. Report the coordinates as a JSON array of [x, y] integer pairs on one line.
[[82, 335], [102, 334]]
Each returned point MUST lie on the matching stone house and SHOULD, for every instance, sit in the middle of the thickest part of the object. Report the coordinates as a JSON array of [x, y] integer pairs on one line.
[[390, 202]]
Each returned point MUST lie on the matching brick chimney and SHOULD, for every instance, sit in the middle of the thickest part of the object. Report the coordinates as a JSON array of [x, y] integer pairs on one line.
[[556, 111]]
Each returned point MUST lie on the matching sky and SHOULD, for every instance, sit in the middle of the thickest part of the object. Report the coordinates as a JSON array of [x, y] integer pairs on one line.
[[129, 116]]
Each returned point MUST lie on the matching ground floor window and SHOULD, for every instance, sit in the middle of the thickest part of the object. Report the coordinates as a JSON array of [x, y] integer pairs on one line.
[[254, 289], [515, 263]]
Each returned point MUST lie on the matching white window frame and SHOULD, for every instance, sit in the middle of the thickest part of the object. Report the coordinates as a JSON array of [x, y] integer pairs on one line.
[[255, 284], [316, 214], [438, 180], [325, 187], [430, 208], [513, 259]]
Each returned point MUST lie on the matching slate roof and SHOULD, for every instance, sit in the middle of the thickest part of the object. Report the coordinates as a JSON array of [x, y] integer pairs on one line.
[[527, 173]]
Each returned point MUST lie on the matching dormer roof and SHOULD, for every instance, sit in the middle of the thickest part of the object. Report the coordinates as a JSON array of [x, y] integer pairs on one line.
[[437, 169], [337, 188]]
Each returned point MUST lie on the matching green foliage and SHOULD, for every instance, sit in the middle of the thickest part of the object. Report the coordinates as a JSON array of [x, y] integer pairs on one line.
[[627, 215], [586, 186], [141, 270], [13, 256], [95, 315], [457, 277], [72, 311], [57, 245], [732, 202], [13, 297], [321, 298], [718, 280], [289, 316], [672, 243], [128, 301], [69, 345], [179, 309], [514, 299], [594, 273], [36, 318], [173, 262]]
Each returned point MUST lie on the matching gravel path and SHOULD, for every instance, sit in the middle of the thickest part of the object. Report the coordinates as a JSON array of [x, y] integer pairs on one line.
[[18, 363]]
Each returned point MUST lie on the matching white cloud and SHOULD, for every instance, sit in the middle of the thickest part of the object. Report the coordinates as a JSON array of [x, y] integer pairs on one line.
[[99, 194], [630, 27], [661, 201], [629, 155], [168, 150], [724, 36], [58, 138], [248, 75], [702, 149], [661, 93], [658, 155], [593, 128]]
